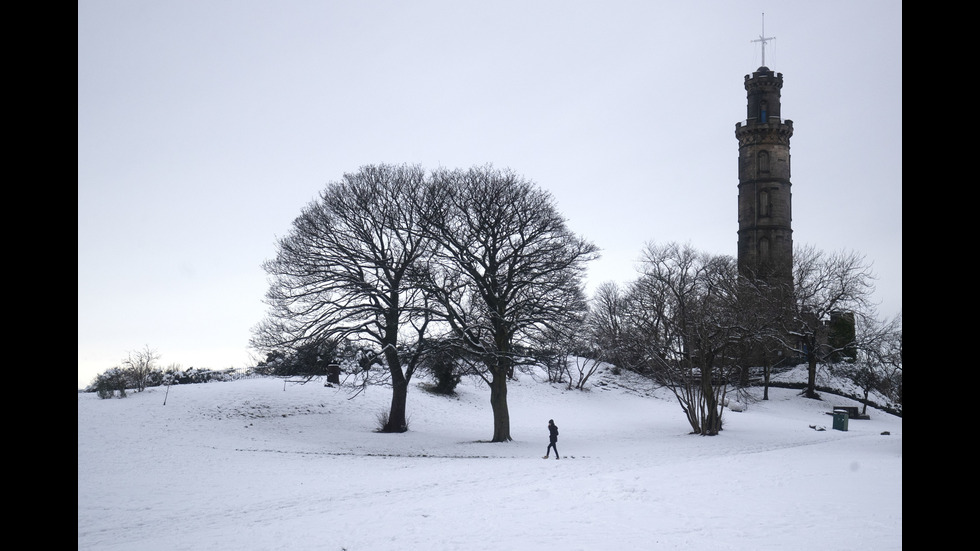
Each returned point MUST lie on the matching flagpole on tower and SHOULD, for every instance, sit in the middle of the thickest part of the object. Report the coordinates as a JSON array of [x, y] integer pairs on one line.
[[763, 39]]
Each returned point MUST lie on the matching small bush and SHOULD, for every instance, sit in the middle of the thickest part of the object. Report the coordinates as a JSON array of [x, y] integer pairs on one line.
[[442, 365], [383, 417], [382, 420], [106, 384]]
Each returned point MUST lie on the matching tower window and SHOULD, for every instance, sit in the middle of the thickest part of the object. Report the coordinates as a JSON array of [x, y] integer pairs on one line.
[[763, 161], [765, 203], [762, 110]]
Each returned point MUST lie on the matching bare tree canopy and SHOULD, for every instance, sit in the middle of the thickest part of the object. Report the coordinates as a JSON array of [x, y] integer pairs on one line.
[[346, 272], [825, 286], [877, 365], [397, 260], [140, 364], [606, 325], [683, 313], [508, 268]]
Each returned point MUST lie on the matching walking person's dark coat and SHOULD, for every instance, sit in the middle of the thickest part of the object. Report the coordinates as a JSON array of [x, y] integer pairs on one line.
[[553, 439]]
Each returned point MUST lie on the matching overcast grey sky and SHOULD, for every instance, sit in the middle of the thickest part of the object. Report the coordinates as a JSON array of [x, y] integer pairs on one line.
[[204, 127]]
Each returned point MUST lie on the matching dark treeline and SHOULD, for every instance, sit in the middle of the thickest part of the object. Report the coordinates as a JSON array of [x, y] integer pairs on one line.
[[395, 269]]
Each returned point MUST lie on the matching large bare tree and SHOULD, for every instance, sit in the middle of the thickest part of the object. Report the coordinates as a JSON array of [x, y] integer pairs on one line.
[[824, 286], [347, 271], [683, 323], [508, 268]]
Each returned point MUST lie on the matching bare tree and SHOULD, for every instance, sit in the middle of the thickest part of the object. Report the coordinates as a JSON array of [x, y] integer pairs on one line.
[[140, 365], [606, 326], [590, 338], [890, 355], [570, 350], [683, 324], [878, 365], [762, 313], [508, 268], [585, 368], [825, 285], [348, 271], [555, 354]]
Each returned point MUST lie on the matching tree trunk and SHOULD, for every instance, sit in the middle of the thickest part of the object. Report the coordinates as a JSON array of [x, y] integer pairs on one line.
[[498, 402], [767, 371], [743, 376], [396, 415], [397, 421], [711, 424], [811, 377]]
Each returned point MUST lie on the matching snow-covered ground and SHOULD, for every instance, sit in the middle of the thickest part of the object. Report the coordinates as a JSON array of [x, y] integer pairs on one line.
[[264, 464]]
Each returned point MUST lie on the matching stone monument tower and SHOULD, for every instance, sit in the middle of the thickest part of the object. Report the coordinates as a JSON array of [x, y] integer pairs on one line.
[[765, 233]]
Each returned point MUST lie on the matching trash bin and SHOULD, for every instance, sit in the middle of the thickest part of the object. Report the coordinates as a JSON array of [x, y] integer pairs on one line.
[[840, 420]]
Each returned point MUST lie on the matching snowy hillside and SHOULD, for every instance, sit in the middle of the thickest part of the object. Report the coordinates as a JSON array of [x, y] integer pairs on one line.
[[264, 464]]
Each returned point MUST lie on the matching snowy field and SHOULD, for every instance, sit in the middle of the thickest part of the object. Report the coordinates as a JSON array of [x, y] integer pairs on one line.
[[266, 464]]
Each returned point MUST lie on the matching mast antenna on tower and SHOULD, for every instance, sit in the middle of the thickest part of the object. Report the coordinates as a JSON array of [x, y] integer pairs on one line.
[[763, 39]]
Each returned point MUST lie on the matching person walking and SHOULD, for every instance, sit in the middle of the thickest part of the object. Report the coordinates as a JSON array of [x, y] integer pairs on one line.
[[553, 437]]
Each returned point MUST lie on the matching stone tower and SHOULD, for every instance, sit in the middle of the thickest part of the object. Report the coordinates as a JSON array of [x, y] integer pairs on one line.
[[765, 233]]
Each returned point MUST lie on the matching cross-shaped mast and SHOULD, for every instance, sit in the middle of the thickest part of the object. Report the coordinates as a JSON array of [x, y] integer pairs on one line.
[[763, 38]]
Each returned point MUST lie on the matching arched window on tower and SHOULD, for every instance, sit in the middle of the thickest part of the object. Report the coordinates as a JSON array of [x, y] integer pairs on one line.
[[764, 251], [762, 111], [763, 161], [765, 203]]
